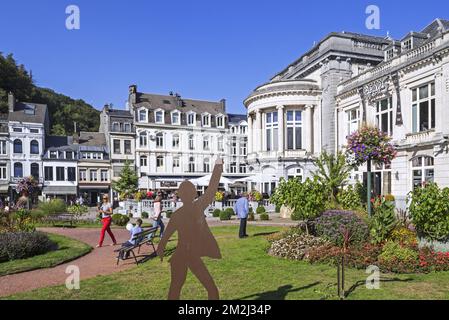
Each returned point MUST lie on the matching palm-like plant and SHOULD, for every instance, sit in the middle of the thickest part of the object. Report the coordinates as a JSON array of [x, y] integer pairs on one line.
[[332, 172]]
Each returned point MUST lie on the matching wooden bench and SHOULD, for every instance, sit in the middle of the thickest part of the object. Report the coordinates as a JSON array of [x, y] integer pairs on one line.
[[61, 218], [140, 239]]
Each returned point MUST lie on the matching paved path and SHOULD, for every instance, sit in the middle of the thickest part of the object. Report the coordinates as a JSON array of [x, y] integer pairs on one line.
[[98, 262]]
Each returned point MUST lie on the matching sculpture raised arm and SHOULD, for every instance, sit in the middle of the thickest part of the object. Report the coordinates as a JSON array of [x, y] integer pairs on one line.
[[208, 197]]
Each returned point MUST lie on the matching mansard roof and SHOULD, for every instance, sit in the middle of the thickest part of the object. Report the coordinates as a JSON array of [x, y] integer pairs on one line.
[[94, 139], [171, 102], [236, 118], [29, 113]]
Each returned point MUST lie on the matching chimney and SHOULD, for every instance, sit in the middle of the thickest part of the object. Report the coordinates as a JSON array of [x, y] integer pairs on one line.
[[132, 94], [223, 105], [11, 101], [106, 108], [76, 138]]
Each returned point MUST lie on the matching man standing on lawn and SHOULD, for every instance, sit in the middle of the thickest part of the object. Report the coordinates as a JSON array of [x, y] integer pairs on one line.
[[241, 209]]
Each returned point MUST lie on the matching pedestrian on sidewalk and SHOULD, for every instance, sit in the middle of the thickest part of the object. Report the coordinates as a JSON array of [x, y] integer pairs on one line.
[[106, 218], [241, 209]]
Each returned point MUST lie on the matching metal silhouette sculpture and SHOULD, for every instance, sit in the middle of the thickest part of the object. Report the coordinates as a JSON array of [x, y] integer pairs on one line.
[[195, 240]]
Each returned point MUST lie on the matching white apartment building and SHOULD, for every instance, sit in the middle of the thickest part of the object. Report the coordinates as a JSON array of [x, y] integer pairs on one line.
[[179, 139], [406, 96], [27, 124], [5, 164]]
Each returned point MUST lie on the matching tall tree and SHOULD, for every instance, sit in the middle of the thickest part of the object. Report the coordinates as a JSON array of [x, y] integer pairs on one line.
[[128, 183]]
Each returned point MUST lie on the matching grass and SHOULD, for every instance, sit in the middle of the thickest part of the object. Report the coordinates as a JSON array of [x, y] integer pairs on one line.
[[247, 272], [68, 249]]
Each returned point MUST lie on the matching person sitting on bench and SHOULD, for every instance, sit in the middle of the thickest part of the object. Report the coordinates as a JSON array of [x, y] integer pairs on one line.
[[130, 243]]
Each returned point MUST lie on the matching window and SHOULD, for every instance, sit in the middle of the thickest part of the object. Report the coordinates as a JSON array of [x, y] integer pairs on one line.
[[143, 161], [175, 141], [3, 175], [18, 146], [296, 174], [191, 142], [243, 168], [17, 130], [353, 120], [71, 174], [205, 120], [127, 127], [206, 165], [176, 162], [220, 145], [384, 116], [294, 130], [191, 164], [160, 162], [234, 146], [407, 45], [60, 174], [175, 118], [34, 147], [115, 127], [159, 140], [53, 154], [35, 171], [423, 108], [69, 155], [191, 119], [3, 147], [34, 130], [220, 121], [143, 139], [143, 116], [206, 143], [83, 175], [233, 168], [128, 147], [423, 171], [18, 170], [93, 175], [117, 149], [159, 116], [48, 173], [243, 147], [389, 54], [104, 175], [272, 126]]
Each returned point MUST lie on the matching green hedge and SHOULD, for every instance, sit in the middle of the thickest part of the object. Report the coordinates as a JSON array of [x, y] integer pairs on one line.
[[260, 210], [226, 215], [120, 220]]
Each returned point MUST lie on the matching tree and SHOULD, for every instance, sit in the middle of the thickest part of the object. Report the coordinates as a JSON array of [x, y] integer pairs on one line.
[[128, 183], [333, 173], [370, 144]]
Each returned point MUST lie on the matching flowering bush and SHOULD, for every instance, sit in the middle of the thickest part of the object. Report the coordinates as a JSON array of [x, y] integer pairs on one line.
[[295, 246], [27, 185], [404, 236], [433, 261], [255, 196], [219, 196], [332, 226], [370, 143]]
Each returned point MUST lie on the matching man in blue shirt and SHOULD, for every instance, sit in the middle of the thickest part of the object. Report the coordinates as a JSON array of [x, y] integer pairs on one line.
[[241, 209]]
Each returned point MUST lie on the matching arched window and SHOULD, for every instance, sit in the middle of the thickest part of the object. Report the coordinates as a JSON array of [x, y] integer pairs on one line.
[[206, 165], [115, 127], [18, 146], [34, 147], [423, 171], [143, 139], [159, 140], [191, 164], [35, 171], [18, 170], [160, 162]]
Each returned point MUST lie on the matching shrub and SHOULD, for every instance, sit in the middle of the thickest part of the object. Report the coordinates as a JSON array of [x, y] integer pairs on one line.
[[77, 210], [120, 219], [349, 199], [225, 215], [216, 213], [251, 216], [278, 209], [397, 258], [255, 196], [168, 214], [260, 210], [333, 224], [219, 196], [284, 233], [390, 198], [429, 211], [145, 215], [21, 245], [54, 206], [230, 211], [264, 217], [295, 246], [384, 220], [433, 261], [404, 236]]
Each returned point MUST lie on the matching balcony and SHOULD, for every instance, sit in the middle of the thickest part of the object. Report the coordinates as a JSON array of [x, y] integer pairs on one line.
[[118, 129], [420, 137]]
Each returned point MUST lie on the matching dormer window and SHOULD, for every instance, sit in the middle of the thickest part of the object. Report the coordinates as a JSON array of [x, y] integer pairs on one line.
[[53, 155], [407, 45], [191, 119], [176, 118], [220, 121], [389, 54], [159, 116], [205, 120], [143, 116]]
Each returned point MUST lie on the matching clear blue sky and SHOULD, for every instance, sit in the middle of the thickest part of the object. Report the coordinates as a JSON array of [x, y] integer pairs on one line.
[[203, 49]]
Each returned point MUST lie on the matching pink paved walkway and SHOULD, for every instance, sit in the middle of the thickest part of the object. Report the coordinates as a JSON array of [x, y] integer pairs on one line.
[[98, 262]]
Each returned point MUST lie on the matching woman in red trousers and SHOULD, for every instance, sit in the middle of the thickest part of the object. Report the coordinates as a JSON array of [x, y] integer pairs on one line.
[[106, 218]]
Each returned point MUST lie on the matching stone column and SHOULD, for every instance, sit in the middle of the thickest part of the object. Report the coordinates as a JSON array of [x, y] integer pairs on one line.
[[250, 134], [308, 126], [281, 130], [258, 134]]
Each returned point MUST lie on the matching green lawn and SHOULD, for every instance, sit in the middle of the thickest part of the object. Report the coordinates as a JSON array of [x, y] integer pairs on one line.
[[247, 272], [68, 249]]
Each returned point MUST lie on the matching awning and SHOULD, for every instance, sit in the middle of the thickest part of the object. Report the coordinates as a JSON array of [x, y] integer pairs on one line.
[[54, 190], [94, 187], [4, 188]]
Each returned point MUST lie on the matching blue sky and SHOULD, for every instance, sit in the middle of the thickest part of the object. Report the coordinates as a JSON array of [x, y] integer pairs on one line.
[[201, 49]]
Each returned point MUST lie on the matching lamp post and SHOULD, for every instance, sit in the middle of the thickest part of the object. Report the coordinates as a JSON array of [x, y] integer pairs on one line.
[[368, 187]]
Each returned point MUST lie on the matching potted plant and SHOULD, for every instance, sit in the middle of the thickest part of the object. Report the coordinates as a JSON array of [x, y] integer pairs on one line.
[[219, 196], [255, 197]]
